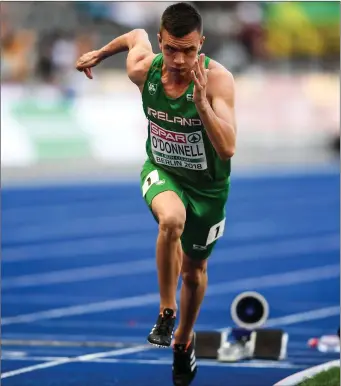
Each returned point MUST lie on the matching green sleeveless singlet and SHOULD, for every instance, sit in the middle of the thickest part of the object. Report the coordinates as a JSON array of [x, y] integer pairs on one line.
[[177, 141]]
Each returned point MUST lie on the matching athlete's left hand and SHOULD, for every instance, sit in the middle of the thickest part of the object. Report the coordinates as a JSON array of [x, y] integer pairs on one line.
[[199, 76]]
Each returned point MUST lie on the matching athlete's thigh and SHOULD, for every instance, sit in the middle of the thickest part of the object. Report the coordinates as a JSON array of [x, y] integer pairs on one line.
[[162, 193], [205, 224]]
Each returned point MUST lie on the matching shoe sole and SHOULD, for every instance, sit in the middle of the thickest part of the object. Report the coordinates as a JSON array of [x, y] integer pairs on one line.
[[185, 382], [159, 345]]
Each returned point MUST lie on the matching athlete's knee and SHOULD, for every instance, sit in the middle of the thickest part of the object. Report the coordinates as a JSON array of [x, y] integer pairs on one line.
[[171, 225], [171, 214], [194, 273]]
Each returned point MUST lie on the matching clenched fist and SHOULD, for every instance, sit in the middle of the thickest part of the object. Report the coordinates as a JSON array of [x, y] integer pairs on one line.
[[88, 60]]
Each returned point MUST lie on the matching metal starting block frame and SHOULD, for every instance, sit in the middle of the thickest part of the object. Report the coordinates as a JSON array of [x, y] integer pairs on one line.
[[235, 344]]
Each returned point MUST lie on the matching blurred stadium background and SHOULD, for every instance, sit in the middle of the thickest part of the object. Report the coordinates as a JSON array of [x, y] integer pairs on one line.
[[285, 58], [70, 253]]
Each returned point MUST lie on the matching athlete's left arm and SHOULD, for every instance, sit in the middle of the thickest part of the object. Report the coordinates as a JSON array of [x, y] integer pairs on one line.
[[217, 112]]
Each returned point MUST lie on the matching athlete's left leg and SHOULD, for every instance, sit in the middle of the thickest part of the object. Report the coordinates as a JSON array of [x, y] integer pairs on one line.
[[193, 288], [204, 226]]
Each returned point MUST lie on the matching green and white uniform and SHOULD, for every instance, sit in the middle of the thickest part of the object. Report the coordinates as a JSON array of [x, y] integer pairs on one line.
[[181, 158]]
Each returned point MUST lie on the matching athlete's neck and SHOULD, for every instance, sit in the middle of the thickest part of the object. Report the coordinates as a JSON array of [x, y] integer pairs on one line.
[[175, 78]]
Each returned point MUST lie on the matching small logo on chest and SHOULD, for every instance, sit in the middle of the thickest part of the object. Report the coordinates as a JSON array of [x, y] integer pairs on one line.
[[152, 87], [189, 97]]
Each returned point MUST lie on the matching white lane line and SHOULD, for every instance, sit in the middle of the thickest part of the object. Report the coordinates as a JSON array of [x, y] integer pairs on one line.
[[29, 369], [85, 357], [61, 210], [300, 317], [94, 246], [267, 281], [306, 316], [112, 224], [7, 356], [138, 267], [283, 279], [204, 363], [80, 226], [98, 357], [88, 211]]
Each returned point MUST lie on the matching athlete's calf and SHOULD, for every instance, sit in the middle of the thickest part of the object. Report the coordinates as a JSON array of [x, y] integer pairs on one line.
[[194, 284]]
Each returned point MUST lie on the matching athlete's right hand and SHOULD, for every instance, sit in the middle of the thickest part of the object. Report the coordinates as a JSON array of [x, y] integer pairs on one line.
[[88, 60]]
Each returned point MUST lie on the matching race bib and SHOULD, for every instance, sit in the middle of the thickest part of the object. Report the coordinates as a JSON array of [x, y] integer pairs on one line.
[[149, 181], [216, 232], [179, 150]]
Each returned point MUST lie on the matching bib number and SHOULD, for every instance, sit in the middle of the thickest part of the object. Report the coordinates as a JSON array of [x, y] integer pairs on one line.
[[216, 231], [151, 178]]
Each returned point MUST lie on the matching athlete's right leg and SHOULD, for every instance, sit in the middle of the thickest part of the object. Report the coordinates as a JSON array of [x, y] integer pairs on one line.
[[168, 204], [171, 215]]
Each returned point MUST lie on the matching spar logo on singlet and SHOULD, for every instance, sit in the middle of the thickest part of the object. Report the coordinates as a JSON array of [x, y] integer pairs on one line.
[[182, 150]]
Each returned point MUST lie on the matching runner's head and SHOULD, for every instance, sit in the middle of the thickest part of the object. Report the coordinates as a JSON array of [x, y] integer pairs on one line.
[[180, 37]]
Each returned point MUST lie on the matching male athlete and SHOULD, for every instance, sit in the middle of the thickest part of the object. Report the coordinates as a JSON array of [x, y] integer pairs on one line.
[[188, 100]]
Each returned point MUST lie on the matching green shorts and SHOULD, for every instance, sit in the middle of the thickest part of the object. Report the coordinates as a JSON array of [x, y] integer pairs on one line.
[[205, 209]]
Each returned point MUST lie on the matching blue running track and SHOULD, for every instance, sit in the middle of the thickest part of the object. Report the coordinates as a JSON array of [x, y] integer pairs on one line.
[[78, 265]]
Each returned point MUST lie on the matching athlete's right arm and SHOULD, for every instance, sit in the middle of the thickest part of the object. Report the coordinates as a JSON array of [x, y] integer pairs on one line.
[[140, 55]]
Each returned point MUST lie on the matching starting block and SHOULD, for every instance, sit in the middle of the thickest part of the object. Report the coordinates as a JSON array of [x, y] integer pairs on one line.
[[249, 311], [237, 344]]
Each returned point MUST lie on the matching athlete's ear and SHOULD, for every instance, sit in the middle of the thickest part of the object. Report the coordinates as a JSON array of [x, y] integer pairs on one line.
[[159, 38], [201, 42]]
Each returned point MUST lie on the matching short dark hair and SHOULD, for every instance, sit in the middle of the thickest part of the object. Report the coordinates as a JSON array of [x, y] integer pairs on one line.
[[181, 19]]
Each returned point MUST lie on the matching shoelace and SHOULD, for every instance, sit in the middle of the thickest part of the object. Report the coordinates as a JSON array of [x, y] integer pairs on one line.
[[164, 326]]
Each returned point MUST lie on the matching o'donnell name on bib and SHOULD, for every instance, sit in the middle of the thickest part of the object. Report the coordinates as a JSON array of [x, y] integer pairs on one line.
[[183, 150]]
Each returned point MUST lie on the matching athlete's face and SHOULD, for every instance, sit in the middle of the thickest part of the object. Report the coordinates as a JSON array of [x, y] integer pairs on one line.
[[180, 54]]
